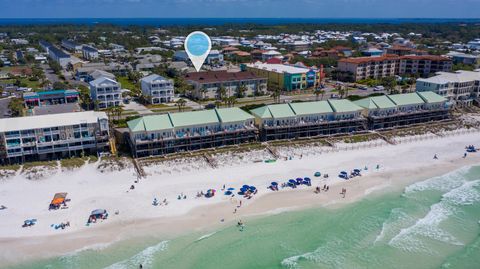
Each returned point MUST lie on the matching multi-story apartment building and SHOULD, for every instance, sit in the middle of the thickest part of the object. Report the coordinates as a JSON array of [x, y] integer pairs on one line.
[[286, 77], [53, 136], [404, 50], [157, 89], [207, 85], [305, 119], [369, 67], [71, 46], [59, 56], [45, 45], [390, 65], [389, 111], [460, 87], [105, 92], [89, 53], [423, 65], [183, 131]]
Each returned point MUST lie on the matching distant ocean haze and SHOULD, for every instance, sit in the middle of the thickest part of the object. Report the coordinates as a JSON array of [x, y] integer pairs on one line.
[[222, 21]]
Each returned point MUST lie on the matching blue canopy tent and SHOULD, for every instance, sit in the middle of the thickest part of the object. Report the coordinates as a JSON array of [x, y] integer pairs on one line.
[[274, 183], [317, 174]]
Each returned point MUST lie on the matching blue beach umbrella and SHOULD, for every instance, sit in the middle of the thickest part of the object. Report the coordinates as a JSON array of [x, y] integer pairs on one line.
[[274, 183], [231, 189], [252, 188]]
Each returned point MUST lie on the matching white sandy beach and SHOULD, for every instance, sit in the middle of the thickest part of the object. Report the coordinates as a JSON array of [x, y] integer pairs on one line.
[[410, 160]]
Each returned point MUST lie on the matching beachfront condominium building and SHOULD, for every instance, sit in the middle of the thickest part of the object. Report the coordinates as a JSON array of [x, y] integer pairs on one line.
[[305, 119], [461, 87], [221, 84], [390, 65], [389, 111], [286, 77], [53, 136], [71, 46], [157, 89], [89, 53], [184, 131], [105, 92]]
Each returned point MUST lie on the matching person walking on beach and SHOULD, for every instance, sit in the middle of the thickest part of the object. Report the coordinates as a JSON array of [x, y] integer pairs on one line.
[[344, 192], [435, 157]]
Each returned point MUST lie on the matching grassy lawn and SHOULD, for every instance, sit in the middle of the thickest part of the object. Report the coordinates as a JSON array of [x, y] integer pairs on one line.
[[172, 109], [158, 106], [30, 84], [128, 84], [13, 167], [37, 164]]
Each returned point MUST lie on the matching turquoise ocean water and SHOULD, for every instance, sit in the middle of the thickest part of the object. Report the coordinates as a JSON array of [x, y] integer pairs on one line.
[[430, 224]]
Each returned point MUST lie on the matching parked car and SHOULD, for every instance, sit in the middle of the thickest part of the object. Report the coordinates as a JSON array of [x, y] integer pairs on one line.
[[363, 88], [378, 88], [210, 106], [335, 96]]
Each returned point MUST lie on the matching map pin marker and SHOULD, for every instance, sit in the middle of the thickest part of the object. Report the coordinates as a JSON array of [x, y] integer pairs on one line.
[[197, 46]]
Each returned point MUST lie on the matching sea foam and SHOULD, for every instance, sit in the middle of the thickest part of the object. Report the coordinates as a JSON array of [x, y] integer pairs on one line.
[[466, 193], [144, 257]]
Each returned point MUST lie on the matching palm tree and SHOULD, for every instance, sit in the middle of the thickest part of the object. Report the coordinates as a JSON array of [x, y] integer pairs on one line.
[[232, 100], [340, 90], [317, 93], [180, 103], [242, 89], [221, 92], [322, 93], [204, 92], [276, 95]]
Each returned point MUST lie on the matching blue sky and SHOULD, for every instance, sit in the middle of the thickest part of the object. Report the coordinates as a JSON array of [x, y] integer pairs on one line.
[[240, 8]]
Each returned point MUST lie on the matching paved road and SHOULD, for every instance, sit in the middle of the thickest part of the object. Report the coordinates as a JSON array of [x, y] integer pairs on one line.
[[4, 107], [141, 109], [49, 74]]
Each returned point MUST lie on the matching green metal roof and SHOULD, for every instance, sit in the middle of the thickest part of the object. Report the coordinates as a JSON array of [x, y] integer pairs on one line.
[[233, 114], [308, 108], [262, 112], [383, 102], [157, 122], [150, 123], [343, 105], [194, 118], [136, 125], [366, 103], [406, 99], [431, 97], [281, 111]]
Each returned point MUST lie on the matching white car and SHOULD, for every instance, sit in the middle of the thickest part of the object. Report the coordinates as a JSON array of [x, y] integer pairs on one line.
[[378, 89]]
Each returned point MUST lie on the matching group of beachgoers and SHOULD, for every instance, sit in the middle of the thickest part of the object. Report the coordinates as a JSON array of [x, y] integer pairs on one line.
[[325, 188], [164, 202], [61, 226]]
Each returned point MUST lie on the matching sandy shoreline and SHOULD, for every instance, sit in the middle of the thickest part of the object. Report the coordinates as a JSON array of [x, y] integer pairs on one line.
[[401, 165]]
